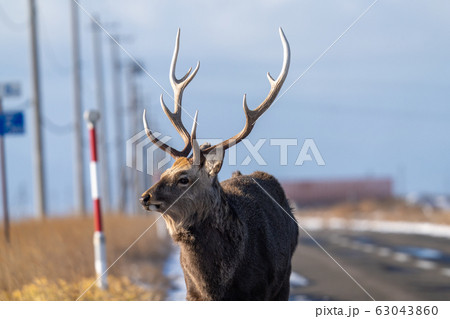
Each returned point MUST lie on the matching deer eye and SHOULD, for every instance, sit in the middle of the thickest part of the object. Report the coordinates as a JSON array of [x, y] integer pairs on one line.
[[183, 181]]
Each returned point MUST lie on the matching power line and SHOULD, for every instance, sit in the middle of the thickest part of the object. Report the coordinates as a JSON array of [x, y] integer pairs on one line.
[[22, 105], [10, 23], [49, 124], [56, 128]]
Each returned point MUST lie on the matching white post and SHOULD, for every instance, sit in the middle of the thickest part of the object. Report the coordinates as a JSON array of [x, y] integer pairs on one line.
[[91, 118]]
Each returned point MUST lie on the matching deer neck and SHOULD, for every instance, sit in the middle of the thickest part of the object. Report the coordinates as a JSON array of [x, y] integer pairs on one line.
[[215, 235]]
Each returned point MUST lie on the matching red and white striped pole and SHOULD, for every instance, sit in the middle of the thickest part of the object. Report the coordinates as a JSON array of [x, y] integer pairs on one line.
[[91, 118]]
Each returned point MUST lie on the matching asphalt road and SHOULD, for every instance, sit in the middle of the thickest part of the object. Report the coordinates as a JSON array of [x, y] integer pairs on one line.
[[390, 267]]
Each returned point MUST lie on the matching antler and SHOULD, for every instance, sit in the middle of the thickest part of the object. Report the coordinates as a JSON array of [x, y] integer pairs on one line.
[[178, 86], [253, 115]]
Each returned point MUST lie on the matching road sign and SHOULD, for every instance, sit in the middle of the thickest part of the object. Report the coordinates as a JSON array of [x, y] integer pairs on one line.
[[10, 89], [12, 123]]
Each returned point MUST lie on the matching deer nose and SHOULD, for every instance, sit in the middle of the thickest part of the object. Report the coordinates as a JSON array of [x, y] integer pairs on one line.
[[144, 199]]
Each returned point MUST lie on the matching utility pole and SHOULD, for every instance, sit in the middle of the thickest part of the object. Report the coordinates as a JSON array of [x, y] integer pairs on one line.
[[77, 113], [119, 123], [149, 179], [142, 176], [37, 119], [99, 79], [3, 182], [133, 71]]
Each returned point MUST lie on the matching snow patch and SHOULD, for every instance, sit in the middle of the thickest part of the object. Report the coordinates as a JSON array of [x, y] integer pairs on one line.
[[174, 272], [411, 228], [422, 253], [298, 280]]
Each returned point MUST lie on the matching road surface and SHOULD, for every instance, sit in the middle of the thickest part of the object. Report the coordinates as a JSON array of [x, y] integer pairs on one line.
[[388, 266]]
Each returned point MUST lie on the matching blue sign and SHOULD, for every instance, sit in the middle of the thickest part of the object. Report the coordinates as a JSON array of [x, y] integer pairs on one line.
[[12, 123], [11, 89]]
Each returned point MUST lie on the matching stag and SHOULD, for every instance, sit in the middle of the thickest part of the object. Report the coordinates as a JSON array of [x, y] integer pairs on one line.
[[237, 237]]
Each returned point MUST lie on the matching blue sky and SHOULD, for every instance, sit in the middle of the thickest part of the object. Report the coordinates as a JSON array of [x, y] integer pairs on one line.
[[376, 104]]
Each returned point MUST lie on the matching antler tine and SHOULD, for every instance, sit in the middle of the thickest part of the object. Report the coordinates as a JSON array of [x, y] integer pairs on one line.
[[166, 148], [178, 86], [253, 115], [195, 147], [184, 81]]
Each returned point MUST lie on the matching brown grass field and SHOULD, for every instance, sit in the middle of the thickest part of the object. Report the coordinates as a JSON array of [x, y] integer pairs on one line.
[[54, 260]]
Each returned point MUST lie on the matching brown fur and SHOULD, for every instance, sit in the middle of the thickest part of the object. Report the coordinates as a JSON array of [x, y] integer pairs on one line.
[[236, 242]]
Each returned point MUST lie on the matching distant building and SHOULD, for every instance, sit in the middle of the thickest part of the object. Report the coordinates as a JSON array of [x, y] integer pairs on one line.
[[311, 193]]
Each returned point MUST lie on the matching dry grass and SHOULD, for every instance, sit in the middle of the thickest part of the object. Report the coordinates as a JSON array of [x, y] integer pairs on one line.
[[391, 210], [120, 288], [57, 254]]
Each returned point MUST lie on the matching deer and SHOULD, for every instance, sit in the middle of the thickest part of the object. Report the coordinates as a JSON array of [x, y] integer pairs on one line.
[[236, 237]]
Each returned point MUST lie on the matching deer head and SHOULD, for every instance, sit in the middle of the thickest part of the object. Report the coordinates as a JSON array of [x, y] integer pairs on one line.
[[198, 172]]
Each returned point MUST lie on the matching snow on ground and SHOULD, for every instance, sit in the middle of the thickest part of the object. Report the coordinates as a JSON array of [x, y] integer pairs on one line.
[[426, 229], [298, 280], [174, 272], [423, 253]]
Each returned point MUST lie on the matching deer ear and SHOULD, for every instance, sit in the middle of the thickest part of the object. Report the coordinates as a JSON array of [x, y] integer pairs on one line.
[[204, 146], [213, 161]]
